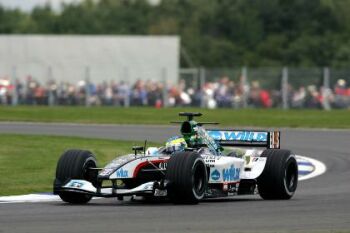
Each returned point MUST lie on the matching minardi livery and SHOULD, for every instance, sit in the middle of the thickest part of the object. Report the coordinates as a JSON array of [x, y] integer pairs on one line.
[[197, 164]]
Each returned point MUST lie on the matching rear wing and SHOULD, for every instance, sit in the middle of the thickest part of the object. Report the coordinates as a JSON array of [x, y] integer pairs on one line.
[[268, 139]]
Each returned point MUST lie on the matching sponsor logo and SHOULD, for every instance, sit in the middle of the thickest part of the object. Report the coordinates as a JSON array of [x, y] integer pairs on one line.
[[231, 174], [76, 184], [210, 157], [162, 166], [215, 175], [239, 136], [225, 187], [210, 160], [215, 134], [106, 172], [259, 159], [121, 173]]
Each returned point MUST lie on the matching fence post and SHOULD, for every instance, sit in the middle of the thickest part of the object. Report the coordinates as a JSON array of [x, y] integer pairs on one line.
[[51, 100], [87, 86], [326, 89], [245, 86], [14, 94], [195, 81], [127, 88], [165, 87], [284, 88], [202, 80]]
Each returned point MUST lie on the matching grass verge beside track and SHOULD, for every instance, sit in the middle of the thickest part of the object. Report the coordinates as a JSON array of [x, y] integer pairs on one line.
[[28, 163], [146, 115]]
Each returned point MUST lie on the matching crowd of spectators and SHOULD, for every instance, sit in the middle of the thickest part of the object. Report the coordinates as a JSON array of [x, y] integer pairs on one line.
[[220, 93], [323, 98]]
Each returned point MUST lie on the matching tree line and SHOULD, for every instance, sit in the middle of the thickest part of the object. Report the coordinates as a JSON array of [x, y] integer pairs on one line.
[[214, 33]]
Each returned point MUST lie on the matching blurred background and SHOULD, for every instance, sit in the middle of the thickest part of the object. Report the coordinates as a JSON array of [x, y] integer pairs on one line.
[[163, 53]]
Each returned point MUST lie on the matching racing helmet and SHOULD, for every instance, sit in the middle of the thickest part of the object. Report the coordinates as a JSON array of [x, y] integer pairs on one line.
[[175, 144]]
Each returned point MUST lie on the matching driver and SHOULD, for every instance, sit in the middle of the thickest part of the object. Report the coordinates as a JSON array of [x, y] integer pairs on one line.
[[175, 144]]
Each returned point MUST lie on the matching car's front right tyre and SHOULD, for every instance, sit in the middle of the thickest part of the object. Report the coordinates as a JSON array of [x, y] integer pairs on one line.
[[279, 179], [75, 164]]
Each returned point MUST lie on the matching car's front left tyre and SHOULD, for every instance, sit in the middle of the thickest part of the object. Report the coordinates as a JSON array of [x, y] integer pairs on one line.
[[187, 177]]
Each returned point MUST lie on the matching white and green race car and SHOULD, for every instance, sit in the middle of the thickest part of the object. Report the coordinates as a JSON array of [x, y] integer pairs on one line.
[[196, 165]]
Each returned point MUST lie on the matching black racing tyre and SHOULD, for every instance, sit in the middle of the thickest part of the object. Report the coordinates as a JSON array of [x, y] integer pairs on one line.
[[279, 179], [187, 177], [73, 164]]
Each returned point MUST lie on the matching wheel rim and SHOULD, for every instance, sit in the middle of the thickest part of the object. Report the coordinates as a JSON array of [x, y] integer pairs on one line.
[[291, 177], [198, 180], [89, 176]]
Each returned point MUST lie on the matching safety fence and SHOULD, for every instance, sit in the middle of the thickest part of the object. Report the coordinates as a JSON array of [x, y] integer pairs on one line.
[[265, 87], [285, 87]]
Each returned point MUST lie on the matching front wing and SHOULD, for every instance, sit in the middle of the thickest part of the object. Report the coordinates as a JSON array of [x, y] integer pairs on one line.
[[84, 186]]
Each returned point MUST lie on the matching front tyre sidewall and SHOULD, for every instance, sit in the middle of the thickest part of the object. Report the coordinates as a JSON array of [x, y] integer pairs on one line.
[[199, 178], [290, 180]]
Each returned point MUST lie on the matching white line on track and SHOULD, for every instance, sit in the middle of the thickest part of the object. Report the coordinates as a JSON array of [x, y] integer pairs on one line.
[[320, 168], [29, 198], [306, 168]]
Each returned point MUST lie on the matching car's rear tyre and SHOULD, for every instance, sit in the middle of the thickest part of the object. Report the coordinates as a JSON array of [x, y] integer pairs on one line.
[[279, 179], [74, 164], [187, 176]]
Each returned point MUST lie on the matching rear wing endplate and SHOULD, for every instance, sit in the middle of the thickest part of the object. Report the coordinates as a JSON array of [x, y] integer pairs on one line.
[[268, 139]]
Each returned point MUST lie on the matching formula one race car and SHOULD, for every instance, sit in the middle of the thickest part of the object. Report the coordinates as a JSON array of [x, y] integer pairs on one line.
[[196, 165]]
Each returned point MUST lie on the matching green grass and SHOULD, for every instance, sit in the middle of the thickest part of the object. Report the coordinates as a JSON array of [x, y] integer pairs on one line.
[[28, 163], [226, 117]]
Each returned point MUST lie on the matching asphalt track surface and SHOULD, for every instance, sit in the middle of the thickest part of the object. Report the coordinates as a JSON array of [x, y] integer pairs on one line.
[[321, 204]]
